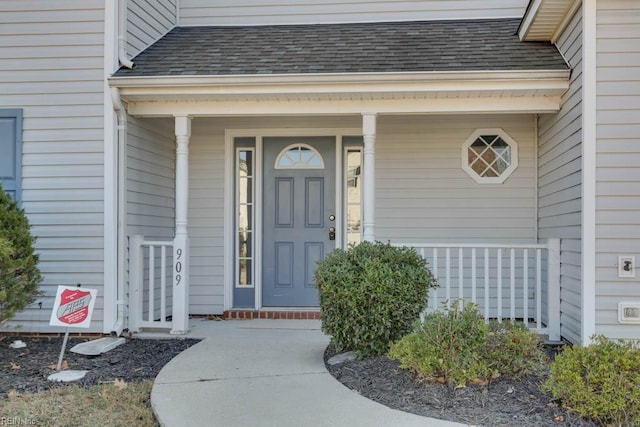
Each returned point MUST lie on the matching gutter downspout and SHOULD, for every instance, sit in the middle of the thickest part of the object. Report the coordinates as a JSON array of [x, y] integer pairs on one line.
[[121, 140], [122, 24]]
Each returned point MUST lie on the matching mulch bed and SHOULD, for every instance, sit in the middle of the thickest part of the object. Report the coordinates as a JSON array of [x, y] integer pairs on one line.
[[504, 402], [26, 370]]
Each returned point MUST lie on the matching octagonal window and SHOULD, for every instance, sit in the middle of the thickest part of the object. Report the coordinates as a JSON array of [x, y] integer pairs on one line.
[[489, 156]]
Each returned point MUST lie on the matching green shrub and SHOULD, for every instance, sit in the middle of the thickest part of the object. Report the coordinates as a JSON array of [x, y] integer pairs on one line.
[[600, 382], [19, 274], [513, 349], [371, 294], [456, 347]]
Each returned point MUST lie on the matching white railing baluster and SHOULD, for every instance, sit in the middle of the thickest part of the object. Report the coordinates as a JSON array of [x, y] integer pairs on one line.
[[539, 289], [436, 303], [499, 275], [474, 284], [525, 277], [487, 306], [512, 260], [163, 282], [152, 283], [447, 273], [461, 273]]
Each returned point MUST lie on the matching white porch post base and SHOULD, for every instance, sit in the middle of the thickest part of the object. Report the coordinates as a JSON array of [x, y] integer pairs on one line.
[[180, 311], [180, 323], [369, 176]]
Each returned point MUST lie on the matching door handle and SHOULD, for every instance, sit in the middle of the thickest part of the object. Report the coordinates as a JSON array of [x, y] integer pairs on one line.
[[332, 233]]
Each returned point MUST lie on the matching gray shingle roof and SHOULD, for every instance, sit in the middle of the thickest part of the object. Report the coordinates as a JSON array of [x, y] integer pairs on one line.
[[470, 45]]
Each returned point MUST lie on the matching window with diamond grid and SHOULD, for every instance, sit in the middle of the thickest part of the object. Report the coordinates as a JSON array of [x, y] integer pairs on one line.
[[489, 156]]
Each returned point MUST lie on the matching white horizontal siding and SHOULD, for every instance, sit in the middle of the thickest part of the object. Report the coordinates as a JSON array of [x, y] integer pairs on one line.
[[150, 178], [560, 178], [618, 160], [51, 65], [147, 21], [423, 195], [262, 12]]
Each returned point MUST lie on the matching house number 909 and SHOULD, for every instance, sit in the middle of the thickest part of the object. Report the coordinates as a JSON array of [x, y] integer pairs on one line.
[[178, 266]]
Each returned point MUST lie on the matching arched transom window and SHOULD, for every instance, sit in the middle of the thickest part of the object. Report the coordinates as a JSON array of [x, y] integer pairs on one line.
[[299, 156]]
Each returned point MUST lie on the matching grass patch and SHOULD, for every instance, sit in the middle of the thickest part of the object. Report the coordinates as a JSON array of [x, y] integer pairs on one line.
[[113, 404]]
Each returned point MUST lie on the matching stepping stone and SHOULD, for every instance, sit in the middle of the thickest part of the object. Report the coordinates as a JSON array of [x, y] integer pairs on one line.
[[17, 344], [67, 376], [96, 347], [343, 357]]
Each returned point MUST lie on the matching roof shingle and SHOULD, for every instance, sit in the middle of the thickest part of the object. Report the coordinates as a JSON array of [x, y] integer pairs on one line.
[[469, 45]]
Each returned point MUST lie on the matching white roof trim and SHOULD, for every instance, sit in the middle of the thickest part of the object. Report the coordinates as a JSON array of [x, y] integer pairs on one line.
[[390, 92], [545, 20]]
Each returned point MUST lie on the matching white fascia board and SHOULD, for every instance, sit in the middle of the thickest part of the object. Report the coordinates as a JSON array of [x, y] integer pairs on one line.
[[542, 21], [253, 107], [319, 82], [544, 87], [529, 18]]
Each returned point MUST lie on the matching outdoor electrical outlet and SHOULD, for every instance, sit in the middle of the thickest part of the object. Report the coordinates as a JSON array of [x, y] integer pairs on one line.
[[626, 266]]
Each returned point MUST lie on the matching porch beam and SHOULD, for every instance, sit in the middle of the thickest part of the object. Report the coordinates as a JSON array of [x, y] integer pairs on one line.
[[194, 106], [369, 175], [180, 313]]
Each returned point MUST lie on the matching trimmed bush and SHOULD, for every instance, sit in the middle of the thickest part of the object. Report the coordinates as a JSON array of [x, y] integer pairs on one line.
[[19, 274], [600, 382], [371, 294], [457, 347]]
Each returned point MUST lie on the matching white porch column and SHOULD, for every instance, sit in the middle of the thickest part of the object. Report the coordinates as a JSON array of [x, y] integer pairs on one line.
[[369, 175], [181, 241]]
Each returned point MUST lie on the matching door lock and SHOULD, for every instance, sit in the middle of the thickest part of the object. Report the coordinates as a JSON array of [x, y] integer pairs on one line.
[[332, 233]]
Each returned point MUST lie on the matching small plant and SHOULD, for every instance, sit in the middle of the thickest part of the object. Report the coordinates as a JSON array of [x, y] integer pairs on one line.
[[455, 347], [19, 274], [371, 294], [514, 350], [600, 382]]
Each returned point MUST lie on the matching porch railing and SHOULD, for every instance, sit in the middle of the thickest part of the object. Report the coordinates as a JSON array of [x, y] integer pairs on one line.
[[520, 282], [150, 283]]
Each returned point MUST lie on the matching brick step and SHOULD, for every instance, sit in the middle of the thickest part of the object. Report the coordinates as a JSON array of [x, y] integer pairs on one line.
[[271, 314]]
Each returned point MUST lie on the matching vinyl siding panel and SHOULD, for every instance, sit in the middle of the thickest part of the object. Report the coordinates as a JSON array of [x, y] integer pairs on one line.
[[147, 21], [423, 194], [150, 178], [617, 161], [559, 181], [261, 12], [51, 65]]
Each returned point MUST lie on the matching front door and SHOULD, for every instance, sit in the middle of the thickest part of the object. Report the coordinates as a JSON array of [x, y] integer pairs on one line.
[[299, 217]]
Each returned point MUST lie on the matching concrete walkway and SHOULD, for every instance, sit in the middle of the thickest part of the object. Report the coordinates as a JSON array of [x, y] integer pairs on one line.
[[263, 373]]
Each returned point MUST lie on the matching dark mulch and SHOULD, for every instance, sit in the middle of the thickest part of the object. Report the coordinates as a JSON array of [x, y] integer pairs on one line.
[[504, 402], [26, 369]]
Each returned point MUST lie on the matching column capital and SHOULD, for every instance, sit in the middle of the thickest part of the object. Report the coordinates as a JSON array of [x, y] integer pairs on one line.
[[183, 126], [369, 123]]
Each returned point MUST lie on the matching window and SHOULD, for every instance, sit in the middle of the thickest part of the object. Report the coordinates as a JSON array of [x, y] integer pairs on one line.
[[244, 216], [299, 156], [489, 156], [353, 188], [11, 149]]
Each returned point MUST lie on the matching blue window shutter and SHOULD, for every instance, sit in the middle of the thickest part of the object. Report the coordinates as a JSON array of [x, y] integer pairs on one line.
[[11, 151]]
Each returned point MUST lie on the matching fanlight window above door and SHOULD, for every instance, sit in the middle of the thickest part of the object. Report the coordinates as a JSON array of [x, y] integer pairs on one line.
[[299, 156]]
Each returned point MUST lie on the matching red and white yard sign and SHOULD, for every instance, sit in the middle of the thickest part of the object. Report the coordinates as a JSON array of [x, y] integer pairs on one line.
[[73, 307]]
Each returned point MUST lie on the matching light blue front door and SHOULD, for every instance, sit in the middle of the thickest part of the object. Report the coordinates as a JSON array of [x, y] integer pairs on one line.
[[299, 217]]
